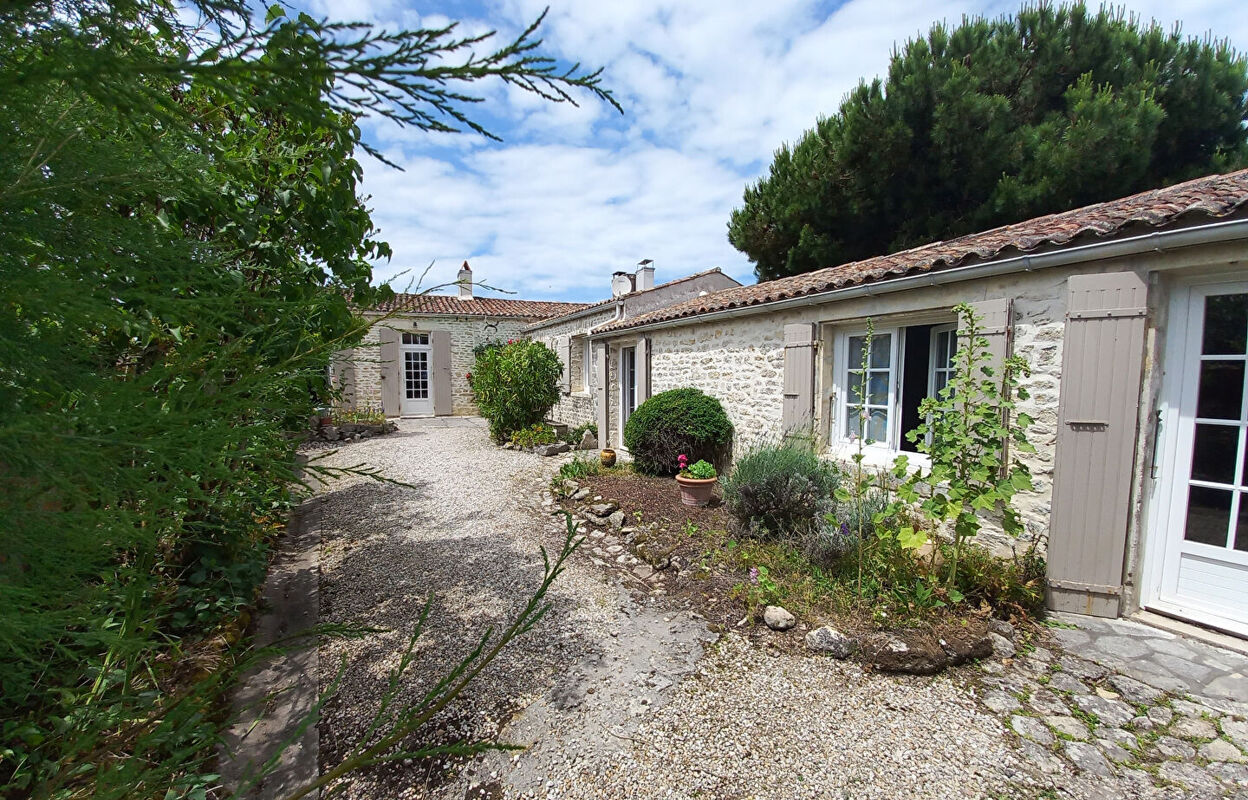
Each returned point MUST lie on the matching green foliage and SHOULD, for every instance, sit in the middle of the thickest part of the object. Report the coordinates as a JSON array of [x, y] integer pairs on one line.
[[535, 434], [674, 423], [1013, 586], [574, 435], [515, 385], [180, 231], [971, 431], [701, 470], [992, 122], [780, 488], [580, 467], [369, 415]]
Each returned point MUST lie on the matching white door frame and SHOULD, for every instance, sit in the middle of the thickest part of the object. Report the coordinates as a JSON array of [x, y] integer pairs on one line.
[[412, 407], [625, 413], [1180, 382]]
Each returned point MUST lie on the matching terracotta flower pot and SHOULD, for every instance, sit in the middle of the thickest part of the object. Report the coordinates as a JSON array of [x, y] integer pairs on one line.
[[695, 491], [607, 457]]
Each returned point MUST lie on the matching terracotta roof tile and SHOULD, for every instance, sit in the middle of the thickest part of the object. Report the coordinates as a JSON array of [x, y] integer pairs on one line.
[[1213, 196], [477, 306], [610, 300]]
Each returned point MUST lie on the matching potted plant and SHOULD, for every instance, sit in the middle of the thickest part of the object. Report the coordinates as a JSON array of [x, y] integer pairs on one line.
[[697, 481]]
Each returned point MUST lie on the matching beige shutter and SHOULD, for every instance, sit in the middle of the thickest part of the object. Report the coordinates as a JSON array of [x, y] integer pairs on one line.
[[390, 382], [1102, 360], [603, 411], [443, 400], [563, 347], [798, 409], [995, 322], [643, 370]]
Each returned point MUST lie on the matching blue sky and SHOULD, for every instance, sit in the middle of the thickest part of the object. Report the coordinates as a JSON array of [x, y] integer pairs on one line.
[[710, 88]]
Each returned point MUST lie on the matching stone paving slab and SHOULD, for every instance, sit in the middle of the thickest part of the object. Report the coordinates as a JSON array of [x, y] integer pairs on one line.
[[1161, 659]]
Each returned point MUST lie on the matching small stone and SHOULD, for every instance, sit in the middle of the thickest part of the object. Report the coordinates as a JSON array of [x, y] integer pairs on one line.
[[570, 485], [1111, 712], [1237, 731], [1082, 668], [1193, 728], [603, 509], [964, 646], [588, 442], [1000, 702], [1160, 715], [1042, 654], [1065, 682], [580, 494], [1068, 726], [1187, 708], [992, 667], [1031, 728], [1001, 628], [1106, 694], [1046, 702], [643, 571], [1231, 773], [1134, 691], [1170, 747], [1221, 750], [1001, 646], [831, 642], [1189, 775], [1113, 752], [778, 619], [1116, 735], [1087, 758], [616, 520]]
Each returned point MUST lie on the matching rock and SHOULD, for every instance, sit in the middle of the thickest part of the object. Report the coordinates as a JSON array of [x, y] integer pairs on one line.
[[580, 494], [1081, 668], [1189, 709], [329, 433], [913, 653], [1042, 654], [778, 619], [1237, 731], [1111, 712], [1193, 728], [1160, 715], [643, 571], [1105, 694], [571, 486], [1231, 773], [552, 449], [509, 446], [1001, 628], [1000, 702], [1221, 750], [1068, 726], [831, 642], [1170, 747], [616, 520], [1189, 775], [603, 509], [1046, 702], [962, 646], [588, 442], [1001, 646], [1065, 682], [1114, 752], [1031, 728], [1134, 691], [1118, 736], [1087, 758]]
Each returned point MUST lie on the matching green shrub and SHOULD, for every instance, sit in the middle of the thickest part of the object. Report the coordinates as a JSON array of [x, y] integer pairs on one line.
[[780, 487], [1012, 586], [515, 385], [573, 436], [580, 467], [533, 435], [673, 423]]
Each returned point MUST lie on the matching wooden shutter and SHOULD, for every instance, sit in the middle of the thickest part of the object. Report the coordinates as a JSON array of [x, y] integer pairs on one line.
[[798, 410], [1102, 361], [563, 347], [643, 370], [390, 382], [443, 399], [601, 396], [995, 321]]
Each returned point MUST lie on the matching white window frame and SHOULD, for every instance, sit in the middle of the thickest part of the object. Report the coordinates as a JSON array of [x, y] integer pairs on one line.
[[625, 411], [879, 453], [932, 355]]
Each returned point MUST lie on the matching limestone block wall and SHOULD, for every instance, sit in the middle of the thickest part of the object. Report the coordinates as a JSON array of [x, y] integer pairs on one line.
[[577, 406]]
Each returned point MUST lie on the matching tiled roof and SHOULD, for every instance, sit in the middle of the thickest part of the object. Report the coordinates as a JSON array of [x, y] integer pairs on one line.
[[1212, 196], [477, 306], [610, 300]]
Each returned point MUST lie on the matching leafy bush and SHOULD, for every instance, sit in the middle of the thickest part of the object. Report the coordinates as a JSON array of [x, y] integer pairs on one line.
[[573, 436], [780, 487], [1012, 586], [515, 385], [533, 435], [580, 467], [679, 421], [701, 471]]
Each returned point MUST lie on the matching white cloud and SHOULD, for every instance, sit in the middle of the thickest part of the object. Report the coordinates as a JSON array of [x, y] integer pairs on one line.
[[710, 89]]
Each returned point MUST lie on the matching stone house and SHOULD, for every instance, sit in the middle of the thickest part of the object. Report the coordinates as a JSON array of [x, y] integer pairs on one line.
[[631, 295], [415, 359], [1133, 315]]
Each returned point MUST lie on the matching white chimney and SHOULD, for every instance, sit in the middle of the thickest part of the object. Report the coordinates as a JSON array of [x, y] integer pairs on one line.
[[621, 284], [464, 279], [645, 275]]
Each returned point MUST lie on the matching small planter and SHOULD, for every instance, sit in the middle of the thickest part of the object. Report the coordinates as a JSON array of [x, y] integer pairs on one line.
[[695, 491], [607, 457]]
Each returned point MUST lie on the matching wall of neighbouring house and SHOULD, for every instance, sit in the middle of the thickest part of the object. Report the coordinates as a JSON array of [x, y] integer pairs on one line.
[[466, 333], [576, 406]]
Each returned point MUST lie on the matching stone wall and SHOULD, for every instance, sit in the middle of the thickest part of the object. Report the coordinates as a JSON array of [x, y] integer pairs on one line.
[[575, 407]]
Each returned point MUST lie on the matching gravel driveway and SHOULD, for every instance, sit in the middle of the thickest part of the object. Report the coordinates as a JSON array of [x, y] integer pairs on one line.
[[613, 695]]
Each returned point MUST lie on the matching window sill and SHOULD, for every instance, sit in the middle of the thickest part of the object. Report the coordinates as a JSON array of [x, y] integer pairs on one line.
[[585, 394], [876, 456]]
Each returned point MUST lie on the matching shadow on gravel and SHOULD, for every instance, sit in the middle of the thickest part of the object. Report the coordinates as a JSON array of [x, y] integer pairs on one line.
[[478, 581]]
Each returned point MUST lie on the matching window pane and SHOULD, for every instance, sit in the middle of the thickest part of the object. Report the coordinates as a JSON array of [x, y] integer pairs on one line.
[[944, 350], [1226, 324], [1241, 525], [1221, 389], [855, 352], [853, 423], [877, 389], [1213, 457], [939, 381], [881, 350], [1208, 516], [855, 396], [877, 426]]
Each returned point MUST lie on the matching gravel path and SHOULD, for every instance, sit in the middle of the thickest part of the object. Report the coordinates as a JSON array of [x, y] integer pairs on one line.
[[615, 696]]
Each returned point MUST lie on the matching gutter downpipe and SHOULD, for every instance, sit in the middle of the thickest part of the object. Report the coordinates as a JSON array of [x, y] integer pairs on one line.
[[1155, 241]]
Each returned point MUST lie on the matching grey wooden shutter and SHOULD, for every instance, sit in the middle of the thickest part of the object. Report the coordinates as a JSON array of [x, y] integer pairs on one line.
[[798, 409], [563, 347], [443, 398], [995, 321], [390, 382], [1102, 361], [643, 370], [601, 396]]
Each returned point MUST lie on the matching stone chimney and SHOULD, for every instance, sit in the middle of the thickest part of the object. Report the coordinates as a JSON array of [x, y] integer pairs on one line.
[[645, 275], [621, 284], [464, 279]]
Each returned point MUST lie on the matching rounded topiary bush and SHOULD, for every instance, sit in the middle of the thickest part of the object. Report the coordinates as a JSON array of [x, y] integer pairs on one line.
[[675, 422], [780, 488], [515, 385]]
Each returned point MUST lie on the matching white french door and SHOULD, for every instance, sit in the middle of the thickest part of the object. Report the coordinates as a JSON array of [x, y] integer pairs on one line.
[[416, 392], [628, 386], [1199, 542]]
